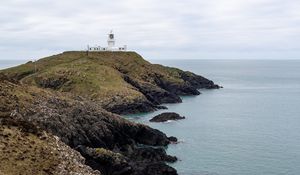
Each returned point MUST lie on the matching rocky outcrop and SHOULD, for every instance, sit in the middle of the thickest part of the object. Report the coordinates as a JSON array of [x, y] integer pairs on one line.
[[150, 161], [154, 94], [133, 107], [138, 163], [27, 150], [109, 143], [166, 116], [108, 162], [158, 168], [198, 81], [173, 139], [183, 88], [151, 154], [52, 83]]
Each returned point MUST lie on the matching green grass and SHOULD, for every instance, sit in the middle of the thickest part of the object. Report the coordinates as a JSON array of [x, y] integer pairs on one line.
[[97, 75]]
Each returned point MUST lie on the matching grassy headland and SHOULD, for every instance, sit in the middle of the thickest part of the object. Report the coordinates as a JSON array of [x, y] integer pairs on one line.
[[113, 79], [69, 101]]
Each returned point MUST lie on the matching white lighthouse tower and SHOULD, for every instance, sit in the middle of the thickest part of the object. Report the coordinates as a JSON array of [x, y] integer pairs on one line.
[[110, 45], [111, 41]]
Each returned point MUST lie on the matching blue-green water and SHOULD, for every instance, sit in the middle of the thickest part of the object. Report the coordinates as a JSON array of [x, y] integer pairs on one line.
[[251, 127]]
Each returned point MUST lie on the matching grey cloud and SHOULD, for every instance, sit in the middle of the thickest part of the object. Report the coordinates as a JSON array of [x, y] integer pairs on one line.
[[155, 28]]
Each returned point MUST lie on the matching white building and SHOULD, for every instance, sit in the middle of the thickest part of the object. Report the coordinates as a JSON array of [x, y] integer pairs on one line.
[[110, 45]]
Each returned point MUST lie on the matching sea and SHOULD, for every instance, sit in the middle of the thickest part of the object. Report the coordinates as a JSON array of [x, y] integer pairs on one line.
[[250, 127]]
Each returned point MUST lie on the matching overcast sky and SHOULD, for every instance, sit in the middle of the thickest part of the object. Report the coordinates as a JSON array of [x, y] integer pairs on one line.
[[157, 29]]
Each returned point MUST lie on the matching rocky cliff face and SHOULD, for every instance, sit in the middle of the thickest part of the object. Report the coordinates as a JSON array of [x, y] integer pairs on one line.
[[121, 82], [77, 97], [109, 143]]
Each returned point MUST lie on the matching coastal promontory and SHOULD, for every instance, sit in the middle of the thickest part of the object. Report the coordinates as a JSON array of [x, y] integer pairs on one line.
[[66, 108]]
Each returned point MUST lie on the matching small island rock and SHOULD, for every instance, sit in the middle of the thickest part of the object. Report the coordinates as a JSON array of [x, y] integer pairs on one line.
[[163, 117]]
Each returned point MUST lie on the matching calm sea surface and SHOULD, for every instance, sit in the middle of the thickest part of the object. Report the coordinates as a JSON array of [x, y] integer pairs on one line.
[[251, 127]]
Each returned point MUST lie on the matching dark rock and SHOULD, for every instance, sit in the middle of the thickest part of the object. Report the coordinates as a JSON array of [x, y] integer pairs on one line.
[[215, 86], [149, 160], [173, 139], [52, 82], [130, 108], [198, 81], [176, 88], [153, 93], [162, 90], [106, 161], [137, 162], [150, 154], [153, 137], [161, 107], [96, 128], [159, 169], [166, 116], [85, 123]]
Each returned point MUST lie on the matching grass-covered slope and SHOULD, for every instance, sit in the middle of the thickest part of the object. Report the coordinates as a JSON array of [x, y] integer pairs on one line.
[[25, 152], [122, 82]]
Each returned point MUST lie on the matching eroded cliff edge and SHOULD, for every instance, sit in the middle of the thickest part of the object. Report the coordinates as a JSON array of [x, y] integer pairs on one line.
[[121, 82], [78, 96]]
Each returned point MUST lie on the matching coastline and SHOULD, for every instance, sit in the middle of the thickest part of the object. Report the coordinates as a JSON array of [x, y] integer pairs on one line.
[[85, 125]]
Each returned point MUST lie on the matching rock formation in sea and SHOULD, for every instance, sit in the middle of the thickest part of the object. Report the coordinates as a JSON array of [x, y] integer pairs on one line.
[[163, 117], [73, 100]]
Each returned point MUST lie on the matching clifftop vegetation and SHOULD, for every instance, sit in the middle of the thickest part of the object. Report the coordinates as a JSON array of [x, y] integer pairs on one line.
[[110, 78]]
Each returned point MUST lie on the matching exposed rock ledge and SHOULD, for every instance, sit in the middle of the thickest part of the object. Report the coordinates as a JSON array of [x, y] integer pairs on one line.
[[166, 116]]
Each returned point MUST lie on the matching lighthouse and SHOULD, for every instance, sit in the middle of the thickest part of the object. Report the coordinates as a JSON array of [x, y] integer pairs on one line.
[[110, 45], [111, 40]]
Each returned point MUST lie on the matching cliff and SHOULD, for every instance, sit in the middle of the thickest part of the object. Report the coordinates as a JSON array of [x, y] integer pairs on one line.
[[121, 82], [71, 100]]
